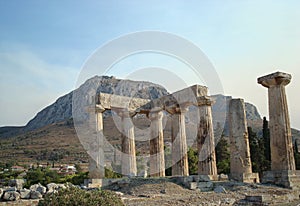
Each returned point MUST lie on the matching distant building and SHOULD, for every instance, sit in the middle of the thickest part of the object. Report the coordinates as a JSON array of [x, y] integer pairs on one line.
[[18, 168]]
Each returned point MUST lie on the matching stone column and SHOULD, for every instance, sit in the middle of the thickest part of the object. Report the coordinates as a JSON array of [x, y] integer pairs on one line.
[[96, 158], [282, 156], [205, 139], [179, 145], [157, 159], [240, 162], [128, 166]]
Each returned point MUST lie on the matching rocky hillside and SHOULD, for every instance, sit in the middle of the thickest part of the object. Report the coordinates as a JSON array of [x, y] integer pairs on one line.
[[61, 109]]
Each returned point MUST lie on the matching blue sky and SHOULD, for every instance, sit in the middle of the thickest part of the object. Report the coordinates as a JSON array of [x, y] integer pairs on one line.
[[43, 45]]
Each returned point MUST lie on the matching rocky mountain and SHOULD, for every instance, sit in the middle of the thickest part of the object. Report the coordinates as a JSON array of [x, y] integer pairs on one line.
[[61, 109]]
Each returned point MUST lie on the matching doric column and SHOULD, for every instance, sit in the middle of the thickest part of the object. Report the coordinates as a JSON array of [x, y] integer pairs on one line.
[[205, 139], [179, 145], [240, 162], [157, 159], [282, 156], [128, 143], [96, 162]]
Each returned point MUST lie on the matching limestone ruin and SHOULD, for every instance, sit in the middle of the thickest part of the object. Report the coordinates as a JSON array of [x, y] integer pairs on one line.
[[240, 162], [177, 104], [283, 171]]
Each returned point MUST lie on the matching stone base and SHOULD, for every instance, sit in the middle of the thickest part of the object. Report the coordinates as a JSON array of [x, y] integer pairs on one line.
[[245, 177], [286, 178]]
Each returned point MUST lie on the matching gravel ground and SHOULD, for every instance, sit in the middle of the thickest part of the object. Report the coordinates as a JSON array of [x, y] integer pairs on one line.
[[163, 192]]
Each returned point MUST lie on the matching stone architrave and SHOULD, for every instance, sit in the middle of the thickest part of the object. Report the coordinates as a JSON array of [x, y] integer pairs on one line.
[[240, 161], [179, 144], [205, 139], [282, 156], [96, 162], [128, 166], [157, 160]]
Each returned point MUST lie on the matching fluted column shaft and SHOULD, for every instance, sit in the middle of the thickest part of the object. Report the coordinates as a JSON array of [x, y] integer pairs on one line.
[[206, 145], [179, 145], [282, 156], [157, 159], [128, 166], [96, 162]]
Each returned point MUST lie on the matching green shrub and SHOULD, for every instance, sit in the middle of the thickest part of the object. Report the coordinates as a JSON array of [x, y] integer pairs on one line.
[[73, 196]]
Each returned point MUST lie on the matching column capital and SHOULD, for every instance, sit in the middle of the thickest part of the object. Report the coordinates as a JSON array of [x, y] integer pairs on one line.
[[277, 78], [205, 101], [177, 109], [155, 113], [99, 108]]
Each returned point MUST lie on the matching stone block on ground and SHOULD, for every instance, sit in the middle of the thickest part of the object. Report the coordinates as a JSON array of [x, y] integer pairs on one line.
[[258, 198], [202, 178], [25, 193], [38, 187], [220, 189], [18, 183], [10, 189], [205, 186], [223, 177], [193, 185], [11, 196], [51, 187], [35, 195], [1, 192]]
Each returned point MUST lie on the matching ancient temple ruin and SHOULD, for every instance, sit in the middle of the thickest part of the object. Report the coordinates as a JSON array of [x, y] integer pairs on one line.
[[176, 105]]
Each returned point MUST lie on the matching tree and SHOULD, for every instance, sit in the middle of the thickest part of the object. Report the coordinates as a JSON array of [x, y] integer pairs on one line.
[[223, 156], [257, 152], [266, 141], [193, 161], [296, 156]]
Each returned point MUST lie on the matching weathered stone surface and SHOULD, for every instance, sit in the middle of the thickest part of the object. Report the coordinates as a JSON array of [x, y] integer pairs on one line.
[[222, 177], [193, 185], [10, 189], [18, 183], [219, 189], [157, 160], [11, 196], [128, 166], [282, 157], [240, 162], [206, 146], [51, 187], [96, 158], [38, 187], [202, 178], [61, 186], [205, 186], [109, 101], [179, 145], [1, 192], [25, 193], [258, 198], [35, 195]]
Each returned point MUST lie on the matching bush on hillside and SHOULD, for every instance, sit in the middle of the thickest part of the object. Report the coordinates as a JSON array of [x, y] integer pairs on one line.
[[73, 196]]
